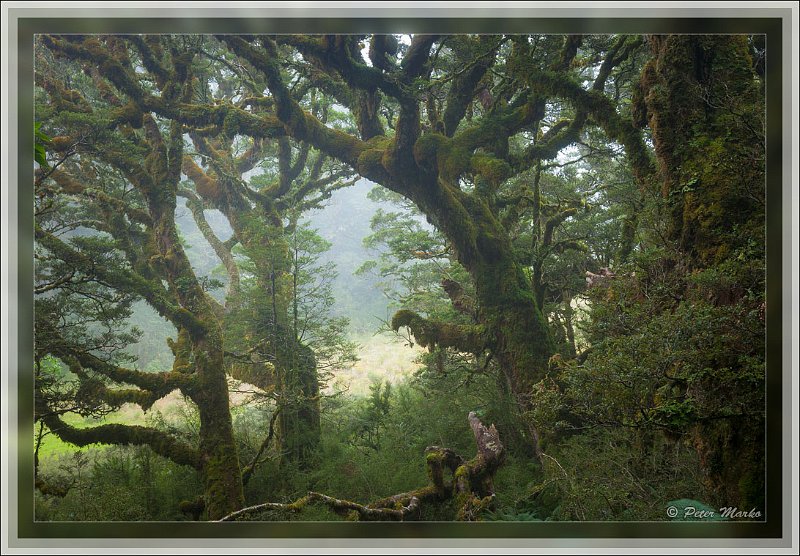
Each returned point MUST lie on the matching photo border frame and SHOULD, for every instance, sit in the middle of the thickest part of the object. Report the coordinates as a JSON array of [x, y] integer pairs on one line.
[[775, 22]]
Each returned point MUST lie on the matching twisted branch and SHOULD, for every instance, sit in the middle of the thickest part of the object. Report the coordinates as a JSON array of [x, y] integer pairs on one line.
[[471, 487]]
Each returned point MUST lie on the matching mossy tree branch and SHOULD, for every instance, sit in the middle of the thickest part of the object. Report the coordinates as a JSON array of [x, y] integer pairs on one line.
[[601, 109], [430, 333], [332, 53], [71, 185], [460, 300], [91, 388], [340, 506], [223, 116], [160, 442], [462, 88], [158, 383], [301, 125], [195, 205]]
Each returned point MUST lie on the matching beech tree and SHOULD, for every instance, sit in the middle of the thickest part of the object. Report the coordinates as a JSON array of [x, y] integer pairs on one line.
[[455, 135], [87, 135]]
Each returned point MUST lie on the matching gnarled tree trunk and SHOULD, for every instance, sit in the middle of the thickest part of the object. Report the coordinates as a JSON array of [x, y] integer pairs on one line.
[[702, 100]]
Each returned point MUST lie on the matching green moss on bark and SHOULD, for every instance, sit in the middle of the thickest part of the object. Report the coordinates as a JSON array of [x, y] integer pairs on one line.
[[428, 333], [494, 170], [704, 107]]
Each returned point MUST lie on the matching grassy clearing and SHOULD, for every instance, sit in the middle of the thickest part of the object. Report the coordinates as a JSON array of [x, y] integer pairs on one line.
[[381, 357]]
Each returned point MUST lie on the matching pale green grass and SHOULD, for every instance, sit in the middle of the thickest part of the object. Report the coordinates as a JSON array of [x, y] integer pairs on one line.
[[381, 357]]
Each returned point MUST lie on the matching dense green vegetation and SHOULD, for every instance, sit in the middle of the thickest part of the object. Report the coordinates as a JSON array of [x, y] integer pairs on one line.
[[568, 232]]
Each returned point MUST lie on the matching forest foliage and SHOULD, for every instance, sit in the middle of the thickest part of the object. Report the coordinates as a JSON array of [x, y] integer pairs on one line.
[[572, 227]]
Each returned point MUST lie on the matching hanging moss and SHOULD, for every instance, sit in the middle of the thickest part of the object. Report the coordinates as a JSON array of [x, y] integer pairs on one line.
[[638, 104], [235, 122], [188, 320], [428, 333], [182, 350]]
